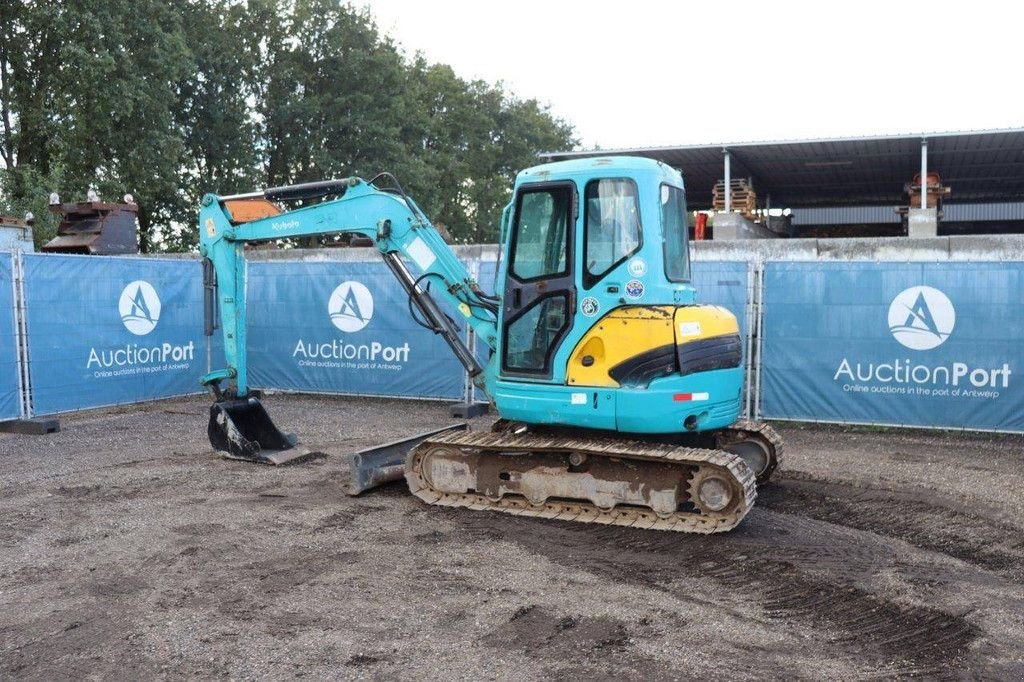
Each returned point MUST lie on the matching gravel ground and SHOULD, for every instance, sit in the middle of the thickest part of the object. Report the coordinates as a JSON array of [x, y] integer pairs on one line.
[[131, 550]]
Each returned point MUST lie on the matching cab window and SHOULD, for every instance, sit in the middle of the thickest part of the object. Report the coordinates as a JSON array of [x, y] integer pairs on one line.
[[540, 236], [675, 234], [612, 234]]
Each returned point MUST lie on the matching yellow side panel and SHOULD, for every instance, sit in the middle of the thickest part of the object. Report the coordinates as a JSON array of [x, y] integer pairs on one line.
[[627, 332], [704, 322], [618, 336]]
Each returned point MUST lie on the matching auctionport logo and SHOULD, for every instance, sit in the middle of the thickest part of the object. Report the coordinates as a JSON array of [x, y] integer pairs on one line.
[[350, 306], [139, 307], [921, 318]]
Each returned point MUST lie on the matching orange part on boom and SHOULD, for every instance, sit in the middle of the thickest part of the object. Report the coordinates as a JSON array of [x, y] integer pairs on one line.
[[244, 210]]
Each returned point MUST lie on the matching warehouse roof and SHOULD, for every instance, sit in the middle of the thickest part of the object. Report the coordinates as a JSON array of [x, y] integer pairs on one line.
[[980, 166]]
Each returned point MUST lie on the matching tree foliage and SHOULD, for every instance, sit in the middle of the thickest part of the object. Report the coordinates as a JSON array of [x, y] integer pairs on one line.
[[170, 99]]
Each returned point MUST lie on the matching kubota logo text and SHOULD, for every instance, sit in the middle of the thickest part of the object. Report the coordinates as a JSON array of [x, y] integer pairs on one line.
[[139, 307], [921, 318], [350, 306]]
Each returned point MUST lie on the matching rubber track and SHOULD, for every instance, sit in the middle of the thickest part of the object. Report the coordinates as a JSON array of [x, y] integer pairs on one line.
[[765, 431], [584, 512]]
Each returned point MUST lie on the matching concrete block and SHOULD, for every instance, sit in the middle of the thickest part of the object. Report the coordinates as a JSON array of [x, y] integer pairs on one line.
[[755, 249], [923, 222], [884, 249], [986, 247], [39, 426], [734, 226], [468, 410]]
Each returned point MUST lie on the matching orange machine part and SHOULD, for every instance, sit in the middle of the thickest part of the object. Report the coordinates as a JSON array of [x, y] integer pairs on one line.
[[700, 228], [244, 210]]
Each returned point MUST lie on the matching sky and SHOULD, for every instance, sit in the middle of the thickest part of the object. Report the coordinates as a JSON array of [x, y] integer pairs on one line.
[[645, 73]]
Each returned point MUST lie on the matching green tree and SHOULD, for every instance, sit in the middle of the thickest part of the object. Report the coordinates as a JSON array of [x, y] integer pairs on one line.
[[332, 104], [215, 116], [170, 99], [122, 61], [30, 45], [89, 98], [472, 138]]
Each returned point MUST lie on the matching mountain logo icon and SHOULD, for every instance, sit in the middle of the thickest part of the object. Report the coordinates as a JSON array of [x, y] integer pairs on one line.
[[139, 307], [350, 306], [921, 318]]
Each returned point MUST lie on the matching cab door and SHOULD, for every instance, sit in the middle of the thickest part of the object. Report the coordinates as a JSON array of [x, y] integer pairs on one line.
[[540, 296]]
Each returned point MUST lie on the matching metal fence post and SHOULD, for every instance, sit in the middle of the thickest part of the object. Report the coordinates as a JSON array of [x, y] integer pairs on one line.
[[27, 423], [759, 294], [20, 342], [749, 324]]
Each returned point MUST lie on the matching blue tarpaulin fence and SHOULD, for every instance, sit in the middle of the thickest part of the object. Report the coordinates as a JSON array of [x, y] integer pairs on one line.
[[725, 283], [907, 344], [730, 285], [109, 331], [328, 327], [916, 344]]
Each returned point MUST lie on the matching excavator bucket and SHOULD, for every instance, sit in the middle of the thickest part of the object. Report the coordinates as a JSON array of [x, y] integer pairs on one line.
[[241, 429]]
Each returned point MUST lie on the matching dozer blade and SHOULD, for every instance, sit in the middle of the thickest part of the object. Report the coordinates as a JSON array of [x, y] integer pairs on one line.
[[382, 464], [241, 429]]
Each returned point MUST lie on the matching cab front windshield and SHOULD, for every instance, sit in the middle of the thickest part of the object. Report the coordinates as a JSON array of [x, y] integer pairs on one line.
[[675, 234]]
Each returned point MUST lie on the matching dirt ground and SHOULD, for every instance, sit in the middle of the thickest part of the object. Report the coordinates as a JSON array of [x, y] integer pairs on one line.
[[130, 550]]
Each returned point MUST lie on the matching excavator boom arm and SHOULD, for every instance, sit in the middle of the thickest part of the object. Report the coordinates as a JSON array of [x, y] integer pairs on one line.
[[391, 220]]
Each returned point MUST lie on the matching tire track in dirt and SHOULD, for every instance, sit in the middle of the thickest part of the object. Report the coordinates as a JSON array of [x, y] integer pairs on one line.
[[799, 571], [927, 522]]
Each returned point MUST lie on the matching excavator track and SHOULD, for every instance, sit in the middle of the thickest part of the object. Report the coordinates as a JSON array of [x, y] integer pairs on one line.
[[756, 442], [563, 475]]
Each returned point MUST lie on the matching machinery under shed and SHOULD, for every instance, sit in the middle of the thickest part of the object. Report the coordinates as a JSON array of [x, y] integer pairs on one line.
[[853, 187]]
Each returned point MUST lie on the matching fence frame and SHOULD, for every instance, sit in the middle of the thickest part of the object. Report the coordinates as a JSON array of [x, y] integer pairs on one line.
[[31, 411]]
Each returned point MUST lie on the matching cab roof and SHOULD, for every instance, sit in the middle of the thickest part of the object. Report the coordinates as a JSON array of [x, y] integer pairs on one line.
[[600, 165]]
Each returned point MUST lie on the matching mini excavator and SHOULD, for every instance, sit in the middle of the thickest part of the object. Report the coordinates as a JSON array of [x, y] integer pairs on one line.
[[618, 394]]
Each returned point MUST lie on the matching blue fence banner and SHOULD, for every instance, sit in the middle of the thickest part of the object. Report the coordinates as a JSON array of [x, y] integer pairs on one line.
[[342, 327], [728, 284], [10, 393], [724, 283], [906, 344], [106, 331]]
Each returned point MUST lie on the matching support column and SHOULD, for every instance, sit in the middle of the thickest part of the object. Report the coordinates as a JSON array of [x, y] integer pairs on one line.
[[729, 225], [924, 173], [728, 180], [923, 221]]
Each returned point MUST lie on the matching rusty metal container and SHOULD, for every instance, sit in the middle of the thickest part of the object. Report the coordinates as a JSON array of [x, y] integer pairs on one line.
[[95, 228]]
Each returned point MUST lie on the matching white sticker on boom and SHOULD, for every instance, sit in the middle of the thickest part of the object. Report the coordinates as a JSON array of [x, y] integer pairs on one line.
[[579, 398], [689, 329], [420, 253]]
